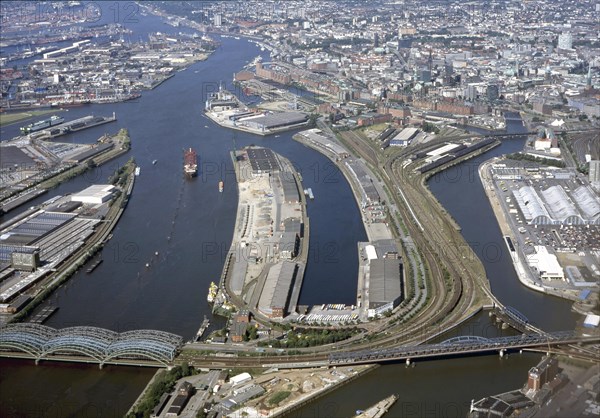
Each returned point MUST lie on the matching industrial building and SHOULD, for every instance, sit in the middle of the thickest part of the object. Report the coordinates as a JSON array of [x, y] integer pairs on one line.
[[385, 276], [289, 244], [358, 170], [543, 373], [95, 195], [274, 121], [316, 138], [37, 243], [186, 390], [385, 285], [545, 264], [293, 225], [275, 296], [404, 138], [262, 161], [288, 184], [594, 175], [555, 206]]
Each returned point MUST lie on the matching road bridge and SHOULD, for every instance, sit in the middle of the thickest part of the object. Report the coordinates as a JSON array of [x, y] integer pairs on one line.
[[89, 344]]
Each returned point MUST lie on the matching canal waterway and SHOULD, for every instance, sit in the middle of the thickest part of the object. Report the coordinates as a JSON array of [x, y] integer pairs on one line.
[[460, 191], [190, 225]]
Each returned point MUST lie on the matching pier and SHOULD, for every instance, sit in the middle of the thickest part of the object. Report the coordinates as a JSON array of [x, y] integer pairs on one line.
[[76, 125], [202, 329]]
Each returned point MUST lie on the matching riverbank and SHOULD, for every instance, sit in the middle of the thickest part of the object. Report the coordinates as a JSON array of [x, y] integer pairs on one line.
[[312, 396], [92, 246], [109, 148]]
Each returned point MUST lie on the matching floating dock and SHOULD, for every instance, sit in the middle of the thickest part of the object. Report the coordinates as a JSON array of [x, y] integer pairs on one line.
[[202, 329], [43, 315]]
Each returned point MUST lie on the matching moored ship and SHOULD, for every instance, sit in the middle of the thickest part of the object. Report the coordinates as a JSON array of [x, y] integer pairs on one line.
[[46, 123], [190, 163], [212, 292], [221, 186]]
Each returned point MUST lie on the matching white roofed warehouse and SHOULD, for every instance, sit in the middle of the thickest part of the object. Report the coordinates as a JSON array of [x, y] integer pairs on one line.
[[545, 264], [95, 195], [554, 206]]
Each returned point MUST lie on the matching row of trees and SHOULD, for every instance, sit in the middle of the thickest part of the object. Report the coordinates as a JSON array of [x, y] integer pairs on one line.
[[163, 383], [540, 160], [311, 338]]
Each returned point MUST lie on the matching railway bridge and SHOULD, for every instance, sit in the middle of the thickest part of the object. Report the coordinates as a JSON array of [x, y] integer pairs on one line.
[[463, 345], [89, 344]]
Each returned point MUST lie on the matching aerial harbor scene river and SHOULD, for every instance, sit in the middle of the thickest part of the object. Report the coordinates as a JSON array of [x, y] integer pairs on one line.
[[346, 276]]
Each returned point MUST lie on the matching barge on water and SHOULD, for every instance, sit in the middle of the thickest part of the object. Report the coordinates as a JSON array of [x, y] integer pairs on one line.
[[93, 266], [44, 314]]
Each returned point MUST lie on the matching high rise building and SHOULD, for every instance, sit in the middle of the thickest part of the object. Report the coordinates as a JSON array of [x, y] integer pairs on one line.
[[492, 92], [218, 20], [565, 41]]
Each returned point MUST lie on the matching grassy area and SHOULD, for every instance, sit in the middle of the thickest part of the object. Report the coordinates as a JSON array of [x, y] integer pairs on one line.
[[278, 397], [10, 118]]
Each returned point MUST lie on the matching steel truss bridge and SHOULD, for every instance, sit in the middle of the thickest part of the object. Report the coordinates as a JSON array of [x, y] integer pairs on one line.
[[459, 346], [95, 344]]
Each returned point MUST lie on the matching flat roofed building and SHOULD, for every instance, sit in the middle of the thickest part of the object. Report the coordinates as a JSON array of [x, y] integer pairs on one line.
[[275, 120], [293, 225], [25, 258], [385, 285], [276, 292], [545, 264], [95, 195], [289, 187], [371, 253], [262, 160], [289, 245]]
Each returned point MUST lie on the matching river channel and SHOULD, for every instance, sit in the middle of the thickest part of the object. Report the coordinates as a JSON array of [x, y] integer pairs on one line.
[[190, 225]]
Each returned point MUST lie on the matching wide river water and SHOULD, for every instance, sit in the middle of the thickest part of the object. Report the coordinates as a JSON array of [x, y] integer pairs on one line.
[[190, 225]]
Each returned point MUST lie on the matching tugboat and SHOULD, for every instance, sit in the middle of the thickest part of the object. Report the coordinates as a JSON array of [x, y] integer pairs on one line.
[[221, 186]]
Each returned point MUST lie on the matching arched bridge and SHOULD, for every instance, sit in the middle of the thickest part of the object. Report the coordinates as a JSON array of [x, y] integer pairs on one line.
[[96, 344], [459, 346], [464, 339]]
